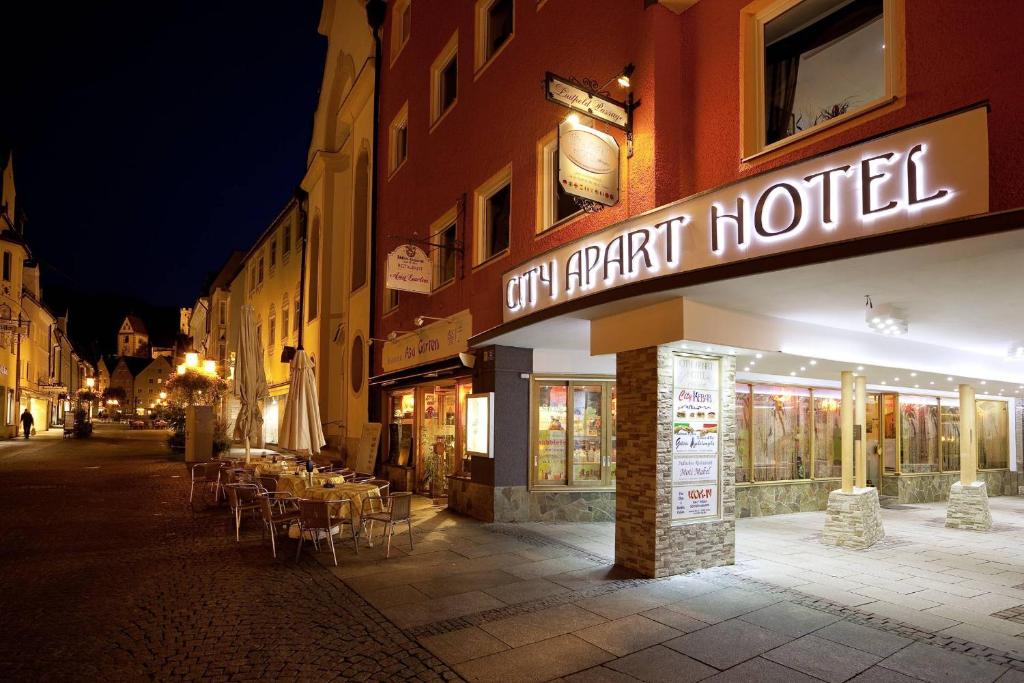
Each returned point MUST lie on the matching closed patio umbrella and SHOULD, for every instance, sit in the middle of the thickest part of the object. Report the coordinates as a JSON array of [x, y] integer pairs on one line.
[[302, 431], [250, 382]]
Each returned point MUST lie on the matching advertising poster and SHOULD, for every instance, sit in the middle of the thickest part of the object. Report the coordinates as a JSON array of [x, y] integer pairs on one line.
[[689, 468], [693, 502]]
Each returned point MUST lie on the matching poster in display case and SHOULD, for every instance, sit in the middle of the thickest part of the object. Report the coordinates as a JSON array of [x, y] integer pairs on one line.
[[480, 424], [696, 411]]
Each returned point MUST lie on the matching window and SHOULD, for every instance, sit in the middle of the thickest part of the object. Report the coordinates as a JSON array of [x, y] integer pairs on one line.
[[313, 299], [401, 27], [919, 434], [295, 319], [992, 426], [828, 452], [284, 318], [815, 63], [573, 441], [495, 25], [390, 300], [399, 139], [273, 254], [780, 433], [7, 266], [493, 214], [443, 245], [949, 434], [286, 241], [444, 79], [259, 271], [555, 204], [360, 219], [271, 329], [252, 278]]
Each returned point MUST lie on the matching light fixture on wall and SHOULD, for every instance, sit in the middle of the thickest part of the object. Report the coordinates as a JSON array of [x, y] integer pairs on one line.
[[421, 320], [885, 319]]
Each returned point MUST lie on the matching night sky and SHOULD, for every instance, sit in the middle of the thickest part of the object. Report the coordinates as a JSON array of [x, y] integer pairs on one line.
[[150, 140]]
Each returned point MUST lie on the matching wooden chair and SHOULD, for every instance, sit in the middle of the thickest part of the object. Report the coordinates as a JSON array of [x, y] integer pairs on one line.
[[397, 508], [272, 521], [315, 516]]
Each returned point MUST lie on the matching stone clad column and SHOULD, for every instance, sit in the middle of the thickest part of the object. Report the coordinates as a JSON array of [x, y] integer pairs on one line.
[[968, 498], [853, 518], [663, 525]]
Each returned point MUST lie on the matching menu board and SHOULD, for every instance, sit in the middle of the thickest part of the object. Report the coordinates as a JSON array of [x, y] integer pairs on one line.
[[696, 411]]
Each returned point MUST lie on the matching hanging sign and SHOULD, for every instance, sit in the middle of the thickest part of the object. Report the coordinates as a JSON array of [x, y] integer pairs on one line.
[[695, 454], [409, 270], [930, 173], [588, 163], [573, 96]]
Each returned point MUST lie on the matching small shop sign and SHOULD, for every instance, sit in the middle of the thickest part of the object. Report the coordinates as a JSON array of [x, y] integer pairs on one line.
[[694, 502], [565, 92], [934, 172], [409, 269], [588, 163]]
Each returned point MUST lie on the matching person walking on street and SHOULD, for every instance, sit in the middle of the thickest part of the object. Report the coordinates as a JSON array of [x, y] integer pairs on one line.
[[26, 422]]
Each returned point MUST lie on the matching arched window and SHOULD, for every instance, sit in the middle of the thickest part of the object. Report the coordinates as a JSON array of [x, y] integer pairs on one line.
[[360, 224], [313, 268]]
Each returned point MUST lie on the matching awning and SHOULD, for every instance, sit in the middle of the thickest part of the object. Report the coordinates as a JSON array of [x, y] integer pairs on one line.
[[446, 367]]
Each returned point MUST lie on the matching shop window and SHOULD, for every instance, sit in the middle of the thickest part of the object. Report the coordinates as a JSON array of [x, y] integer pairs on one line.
[[828, 458], [444, 79], [809, 64], [495, 26], [949, 433], [919, 434], [555, 204], [493, 215], [744, 422], [259, 271], [401, 27], [398, 137], [443, 245], [992, 426], [360, 219], [574, 442], [780, 433], [271, 329]]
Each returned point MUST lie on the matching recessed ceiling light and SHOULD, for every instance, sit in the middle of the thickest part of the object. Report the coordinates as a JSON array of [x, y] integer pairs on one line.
[[751, 363], [803, 369], [917, 386], [683, 346], [883, 381], [983, 381], [759, 355], [949, 379], [813, 362], [792, 374], [913, 374], [895, 379], [708, 348], [860, 367], [932, 382]]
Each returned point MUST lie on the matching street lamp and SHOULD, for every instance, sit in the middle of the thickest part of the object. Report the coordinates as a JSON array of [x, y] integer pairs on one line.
[[90, 382]]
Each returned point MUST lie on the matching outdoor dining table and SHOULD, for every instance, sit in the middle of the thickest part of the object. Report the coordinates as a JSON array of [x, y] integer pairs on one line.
[[296, 484], [354, 492]]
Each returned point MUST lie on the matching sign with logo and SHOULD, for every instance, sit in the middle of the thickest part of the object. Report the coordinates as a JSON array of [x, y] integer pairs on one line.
[[574, 96], [409, 269], [934, 172], [695, 410], [588, 163], [442, 339]]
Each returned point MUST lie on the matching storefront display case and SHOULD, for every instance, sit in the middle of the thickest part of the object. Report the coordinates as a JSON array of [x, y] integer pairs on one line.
[[573, 427]]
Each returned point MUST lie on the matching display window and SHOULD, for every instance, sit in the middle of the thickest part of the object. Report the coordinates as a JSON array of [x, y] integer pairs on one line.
[[574, 433], [402, 415], [904, 434]]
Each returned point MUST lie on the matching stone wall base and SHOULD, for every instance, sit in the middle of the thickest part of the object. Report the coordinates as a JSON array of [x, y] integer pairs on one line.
[[968, 507], [853, 520]]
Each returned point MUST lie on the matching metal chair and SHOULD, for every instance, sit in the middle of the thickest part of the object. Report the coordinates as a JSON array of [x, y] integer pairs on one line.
[[271, 520], [241, 498], [397, 508], [315, 516], [206, 474]]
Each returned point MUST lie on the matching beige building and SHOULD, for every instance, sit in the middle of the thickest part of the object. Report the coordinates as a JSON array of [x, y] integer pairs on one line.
[[36, 386], [339, 181], [133, 338], [149, 382]]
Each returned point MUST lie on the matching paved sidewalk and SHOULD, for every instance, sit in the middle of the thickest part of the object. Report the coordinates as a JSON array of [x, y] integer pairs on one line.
[[542, 601]]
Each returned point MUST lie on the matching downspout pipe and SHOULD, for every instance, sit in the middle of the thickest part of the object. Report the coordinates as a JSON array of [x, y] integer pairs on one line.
[[302, 197], [376, 11]]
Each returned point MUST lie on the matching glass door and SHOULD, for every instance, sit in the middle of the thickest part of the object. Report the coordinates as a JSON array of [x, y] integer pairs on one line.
[[889, 432], [400, 428], [587, 432], [612, 414], [872, 439], [436, 439]]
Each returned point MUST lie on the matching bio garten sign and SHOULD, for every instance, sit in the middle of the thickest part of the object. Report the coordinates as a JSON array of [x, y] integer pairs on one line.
[[933, 172]]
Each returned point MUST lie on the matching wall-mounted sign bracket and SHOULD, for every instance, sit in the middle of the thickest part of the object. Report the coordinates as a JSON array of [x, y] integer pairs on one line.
[[586, 96]]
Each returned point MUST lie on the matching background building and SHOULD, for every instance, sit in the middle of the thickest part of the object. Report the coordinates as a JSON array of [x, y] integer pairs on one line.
[[133, 338]]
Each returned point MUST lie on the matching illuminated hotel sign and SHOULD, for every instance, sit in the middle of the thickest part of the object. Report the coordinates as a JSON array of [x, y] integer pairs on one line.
[[934, 172]]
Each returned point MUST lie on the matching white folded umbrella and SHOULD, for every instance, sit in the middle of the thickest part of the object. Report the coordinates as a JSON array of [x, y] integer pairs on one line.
[[250, 382], [301, 430]]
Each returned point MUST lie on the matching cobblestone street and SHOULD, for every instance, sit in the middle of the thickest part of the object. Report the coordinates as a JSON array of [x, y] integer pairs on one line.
[[108, 576]]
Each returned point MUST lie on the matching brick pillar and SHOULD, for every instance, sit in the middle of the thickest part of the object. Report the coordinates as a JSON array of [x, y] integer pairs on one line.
[[648, 539]]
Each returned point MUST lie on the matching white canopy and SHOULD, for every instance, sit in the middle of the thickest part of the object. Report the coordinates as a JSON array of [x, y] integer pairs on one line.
[[302, 431], [250, 382]]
